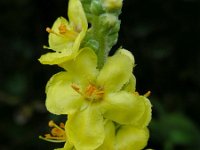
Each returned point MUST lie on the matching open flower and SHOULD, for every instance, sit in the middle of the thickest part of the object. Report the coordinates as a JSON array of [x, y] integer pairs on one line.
[[65, 37], [129, 137], [90, 96], [124, 137]]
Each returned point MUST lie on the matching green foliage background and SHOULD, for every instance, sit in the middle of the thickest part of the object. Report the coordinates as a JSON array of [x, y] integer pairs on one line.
[[162, 35]]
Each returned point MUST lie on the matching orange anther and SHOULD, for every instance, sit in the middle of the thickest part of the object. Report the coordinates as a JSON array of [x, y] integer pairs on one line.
[[56, 132], [136, 93], [47, 135], [90, 90], [51, 123], [49, 30], [75, 87], [62, 125], [100, 93], [62, 29]]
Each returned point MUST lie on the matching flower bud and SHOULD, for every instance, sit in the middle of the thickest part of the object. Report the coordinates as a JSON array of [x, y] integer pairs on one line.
[[96, 7], [112, 4]]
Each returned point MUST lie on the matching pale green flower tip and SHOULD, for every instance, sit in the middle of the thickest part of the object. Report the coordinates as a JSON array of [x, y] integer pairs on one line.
[[112, 4], [127, 53], [77, 15]]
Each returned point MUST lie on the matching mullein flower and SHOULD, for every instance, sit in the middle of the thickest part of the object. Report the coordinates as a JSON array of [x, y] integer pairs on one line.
[[65, 37], [124, 137], [90, 97], [129, 137]]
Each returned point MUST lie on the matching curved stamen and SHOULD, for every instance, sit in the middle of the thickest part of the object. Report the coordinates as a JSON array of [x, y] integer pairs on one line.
[[57, 135], [147, 94], [63, 32], [91, 92], [76, 88]]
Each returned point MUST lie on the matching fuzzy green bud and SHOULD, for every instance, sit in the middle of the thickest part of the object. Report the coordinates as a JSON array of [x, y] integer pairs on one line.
[[96, 7]]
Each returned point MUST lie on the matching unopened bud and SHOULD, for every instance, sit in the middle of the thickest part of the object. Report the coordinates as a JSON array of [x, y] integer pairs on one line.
[[112, 4]]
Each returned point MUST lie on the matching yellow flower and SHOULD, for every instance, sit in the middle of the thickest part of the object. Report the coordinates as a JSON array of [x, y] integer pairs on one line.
[[124, 137], [65, 37], [90, 97], [129, 137]]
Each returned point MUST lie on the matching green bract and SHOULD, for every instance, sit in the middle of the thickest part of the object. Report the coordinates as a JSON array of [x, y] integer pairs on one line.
[[65, 37], [93, 99]]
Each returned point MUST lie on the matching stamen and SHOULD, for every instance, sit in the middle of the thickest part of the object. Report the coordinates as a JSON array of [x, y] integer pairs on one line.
[[58, 133], [62, 29], [136, 93], [100, 93], [49, 30], [90, 90], [147, 94], [51, 123], [63, 32], [76, 88], [62, 125], [51, 140], [93, 93]]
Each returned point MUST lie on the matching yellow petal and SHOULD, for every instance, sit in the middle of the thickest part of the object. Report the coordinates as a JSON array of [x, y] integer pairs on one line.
[[116, 72], [84, 65], [85, 129], [61, 97], [78, 22], [122, 107], [56, 57], [77, 16], [131, 138], [131, 85], [109, 140], [146, 117]]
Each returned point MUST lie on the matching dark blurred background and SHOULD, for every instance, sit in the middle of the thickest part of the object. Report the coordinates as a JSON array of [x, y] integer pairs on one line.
[[162, 35]]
